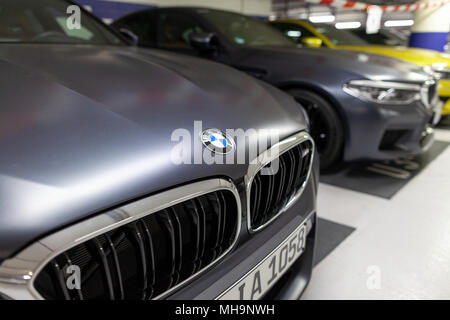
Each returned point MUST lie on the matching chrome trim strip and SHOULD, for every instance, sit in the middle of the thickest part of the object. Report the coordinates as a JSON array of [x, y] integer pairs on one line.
[[265, 158], [385, 84], [440, 69], [424, 93], [17, 274]]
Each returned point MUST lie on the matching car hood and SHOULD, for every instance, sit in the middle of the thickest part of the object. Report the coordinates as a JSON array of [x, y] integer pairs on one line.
[[421, 57], [359, 64], [85, 128]]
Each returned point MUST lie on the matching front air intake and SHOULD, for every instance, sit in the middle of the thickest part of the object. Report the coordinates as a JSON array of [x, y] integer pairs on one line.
[[150, 256]]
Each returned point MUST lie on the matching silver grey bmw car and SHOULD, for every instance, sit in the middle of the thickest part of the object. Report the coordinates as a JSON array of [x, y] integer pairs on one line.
[[107, 188]]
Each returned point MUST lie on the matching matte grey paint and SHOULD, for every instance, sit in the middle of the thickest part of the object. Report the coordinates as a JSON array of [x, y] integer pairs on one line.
[[84, 128]]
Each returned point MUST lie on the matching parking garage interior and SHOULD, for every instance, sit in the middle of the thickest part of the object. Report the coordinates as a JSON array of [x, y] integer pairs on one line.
[[382, 224]]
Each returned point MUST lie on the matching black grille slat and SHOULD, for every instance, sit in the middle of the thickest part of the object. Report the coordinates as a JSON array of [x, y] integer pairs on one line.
[[178, 244], [302, 166], [104, 262], [145, 258], [266, 196], [297, 153], [284, 186], [280, 183], [216, 214], [198, 232], [291, 170], [191, 251], [141, 258], [112, 248], [61, 281], [150, 258], [307, 158], [256, 198], [270, 193], [166, 222], [223, 209], [202, 224], [69, 263]]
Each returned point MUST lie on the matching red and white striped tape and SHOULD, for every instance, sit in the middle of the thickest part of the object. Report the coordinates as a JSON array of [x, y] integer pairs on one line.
[[343, 4]]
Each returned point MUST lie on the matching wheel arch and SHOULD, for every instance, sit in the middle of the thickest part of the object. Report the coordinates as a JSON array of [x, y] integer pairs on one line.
[[325, 95]]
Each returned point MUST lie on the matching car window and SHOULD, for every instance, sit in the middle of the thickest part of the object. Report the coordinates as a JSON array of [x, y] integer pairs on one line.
[[46, 21], [174, 29], [339, 36], [294, 31], [243, 30], [81, 33], [142, 25], [383, 37]]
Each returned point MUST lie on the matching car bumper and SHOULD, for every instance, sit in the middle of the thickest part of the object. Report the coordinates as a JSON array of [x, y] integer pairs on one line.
[[383, 132], [444, 95], [446, 107], [252, 249]]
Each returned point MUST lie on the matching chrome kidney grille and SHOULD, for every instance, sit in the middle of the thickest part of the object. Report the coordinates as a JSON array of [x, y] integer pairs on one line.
[[429, 93], [148, 257], [150, 247], [270, 194]]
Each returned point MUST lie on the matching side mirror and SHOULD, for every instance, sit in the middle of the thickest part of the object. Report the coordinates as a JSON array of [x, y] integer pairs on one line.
[[312, 42], [204, 41], [130, 36]]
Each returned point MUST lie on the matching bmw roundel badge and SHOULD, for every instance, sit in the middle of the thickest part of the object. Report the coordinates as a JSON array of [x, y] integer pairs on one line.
[[217, 141]]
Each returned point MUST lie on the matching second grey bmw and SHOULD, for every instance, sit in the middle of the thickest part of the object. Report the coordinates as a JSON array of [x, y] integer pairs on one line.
[[94, 202], [361, 106]]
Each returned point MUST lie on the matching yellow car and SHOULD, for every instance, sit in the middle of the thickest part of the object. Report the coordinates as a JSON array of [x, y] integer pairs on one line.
[[327, 35]]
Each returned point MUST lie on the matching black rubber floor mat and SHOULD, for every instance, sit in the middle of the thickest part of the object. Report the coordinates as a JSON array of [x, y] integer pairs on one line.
[[330, 235], [444, 124], [383, 179]]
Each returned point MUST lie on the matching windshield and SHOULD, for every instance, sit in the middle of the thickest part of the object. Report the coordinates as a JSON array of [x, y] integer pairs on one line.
[[47, 21], [383, 37], [243, 30], [341, 37]]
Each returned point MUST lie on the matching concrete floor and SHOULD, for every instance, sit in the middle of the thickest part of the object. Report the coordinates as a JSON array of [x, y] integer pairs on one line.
[[400, 248]]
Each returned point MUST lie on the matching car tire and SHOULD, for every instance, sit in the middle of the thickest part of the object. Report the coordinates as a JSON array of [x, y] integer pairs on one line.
[[326, 126]]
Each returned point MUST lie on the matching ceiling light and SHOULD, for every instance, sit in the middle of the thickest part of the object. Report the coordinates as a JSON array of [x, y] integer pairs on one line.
[[322, 19], [348, 25], [398, 23]]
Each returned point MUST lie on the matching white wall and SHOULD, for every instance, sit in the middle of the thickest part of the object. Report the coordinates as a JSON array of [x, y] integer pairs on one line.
[[432, 19], [251, 7]]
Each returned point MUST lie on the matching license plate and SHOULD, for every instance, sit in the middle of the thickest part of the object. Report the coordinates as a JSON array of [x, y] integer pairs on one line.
[[262, 277]]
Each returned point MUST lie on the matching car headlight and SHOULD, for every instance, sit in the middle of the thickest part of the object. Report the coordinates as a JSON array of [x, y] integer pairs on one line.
[[431, 70], [441, 70], [384, 92]]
